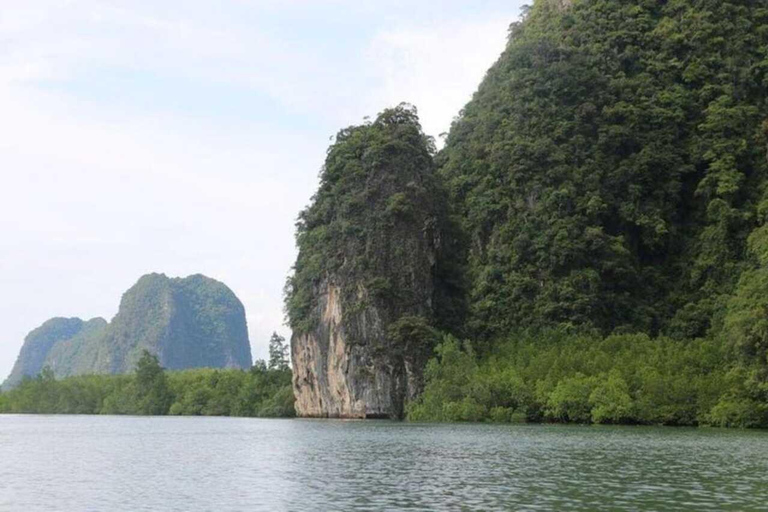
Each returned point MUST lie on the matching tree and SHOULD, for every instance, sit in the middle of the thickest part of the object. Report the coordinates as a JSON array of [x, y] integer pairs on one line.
[[278, 353], [608, 168], [153, 396], [610, 400]]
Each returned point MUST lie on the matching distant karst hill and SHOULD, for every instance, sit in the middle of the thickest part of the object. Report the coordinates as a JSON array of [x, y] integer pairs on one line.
[[187, 322]]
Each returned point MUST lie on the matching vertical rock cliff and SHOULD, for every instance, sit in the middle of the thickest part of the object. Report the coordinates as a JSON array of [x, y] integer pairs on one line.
[[368, 283]]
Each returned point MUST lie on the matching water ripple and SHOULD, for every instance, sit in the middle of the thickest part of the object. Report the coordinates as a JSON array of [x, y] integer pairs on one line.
[[86, 463]]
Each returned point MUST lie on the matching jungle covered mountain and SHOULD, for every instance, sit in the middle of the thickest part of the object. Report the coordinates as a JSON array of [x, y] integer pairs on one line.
[[187, 322], [608, 183], [610, 172], [190, 322], [611, 167]]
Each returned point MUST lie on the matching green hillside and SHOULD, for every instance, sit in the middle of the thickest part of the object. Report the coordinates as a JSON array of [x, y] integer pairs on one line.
[[612, 165], [611, 176], [192, 322], [609, 180]]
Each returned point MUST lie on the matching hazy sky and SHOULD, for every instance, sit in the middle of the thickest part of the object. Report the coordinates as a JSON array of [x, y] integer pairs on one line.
[[184, 136]]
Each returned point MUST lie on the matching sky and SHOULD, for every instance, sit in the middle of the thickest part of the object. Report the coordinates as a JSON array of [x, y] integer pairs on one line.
[[185, 136]]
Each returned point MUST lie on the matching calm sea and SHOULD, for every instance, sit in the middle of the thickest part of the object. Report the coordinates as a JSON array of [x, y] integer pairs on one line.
[[112, 464]]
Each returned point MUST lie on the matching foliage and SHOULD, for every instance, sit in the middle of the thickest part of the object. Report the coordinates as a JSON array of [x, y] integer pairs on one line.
[[744, 403], [610, 176], [152, 391], [609, 167], [278, 353], [583, 377], [378, 228], [413, 336], [152, 394], [451, 394], [610, 401]]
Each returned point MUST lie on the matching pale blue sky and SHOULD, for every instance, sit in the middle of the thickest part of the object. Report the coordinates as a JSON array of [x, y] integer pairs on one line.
[[185, 136]]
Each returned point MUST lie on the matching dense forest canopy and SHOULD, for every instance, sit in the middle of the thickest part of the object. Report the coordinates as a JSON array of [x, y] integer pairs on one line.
[[612, 165], [611, 176]]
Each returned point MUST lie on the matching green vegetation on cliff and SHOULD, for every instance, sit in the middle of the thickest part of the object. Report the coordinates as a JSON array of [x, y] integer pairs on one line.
[[611, 166], [76, 354], [610, 185], [377, 257], [189, 322], [40, 342], [611, 175], [378, 224]]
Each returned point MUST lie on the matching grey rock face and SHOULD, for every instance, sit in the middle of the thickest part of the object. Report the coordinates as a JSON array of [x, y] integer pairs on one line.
[[348, 367]]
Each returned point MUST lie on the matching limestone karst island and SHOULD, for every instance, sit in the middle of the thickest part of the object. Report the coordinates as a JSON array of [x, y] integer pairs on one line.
[[587, 244]]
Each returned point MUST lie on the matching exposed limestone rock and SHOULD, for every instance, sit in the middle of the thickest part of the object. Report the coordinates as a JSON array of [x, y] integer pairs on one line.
[[367, 286], [339, 375]]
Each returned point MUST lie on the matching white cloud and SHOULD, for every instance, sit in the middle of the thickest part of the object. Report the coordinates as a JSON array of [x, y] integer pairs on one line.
[[436, 68]]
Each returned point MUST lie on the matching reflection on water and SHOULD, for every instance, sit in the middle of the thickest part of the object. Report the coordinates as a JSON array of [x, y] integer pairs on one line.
[[84, 463]]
